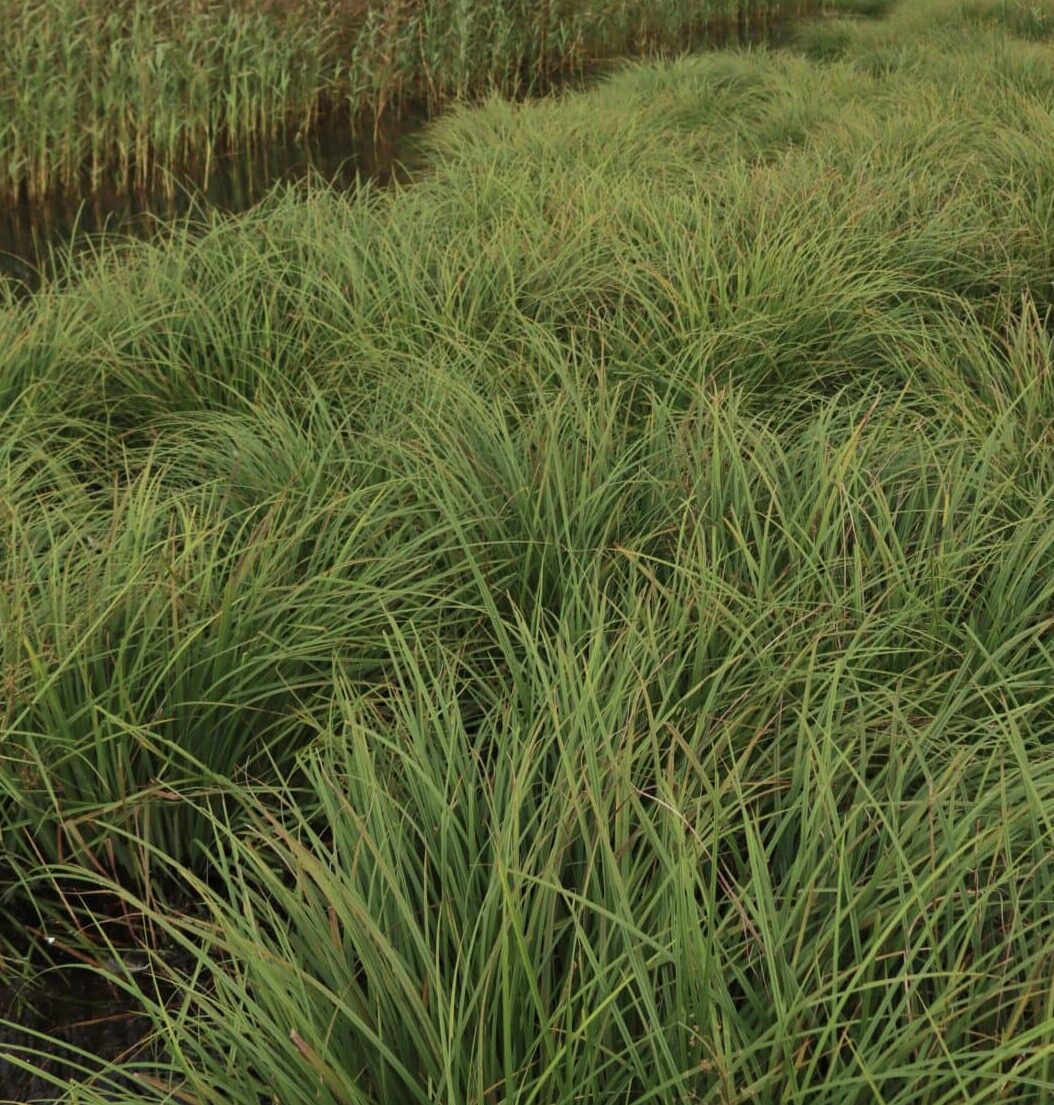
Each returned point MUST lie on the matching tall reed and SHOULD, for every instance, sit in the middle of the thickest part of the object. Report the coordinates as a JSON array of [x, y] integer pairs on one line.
[[125, 94]]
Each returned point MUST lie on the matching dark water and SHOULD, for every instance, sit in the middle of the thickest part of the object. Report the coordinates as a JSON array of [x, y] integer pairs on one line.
[[80, 1011], [73, 989], [32, 233]]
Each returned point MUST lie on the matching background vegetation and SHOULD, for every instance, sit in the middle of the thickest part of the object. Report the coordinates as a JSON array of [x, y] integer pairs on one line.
[[579, 627], [96, 92]]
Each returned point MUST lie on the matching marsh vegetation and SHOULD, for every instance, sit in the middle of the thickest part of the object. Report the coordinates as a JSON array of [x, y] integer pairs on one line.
[[575, 627], [125, 94]]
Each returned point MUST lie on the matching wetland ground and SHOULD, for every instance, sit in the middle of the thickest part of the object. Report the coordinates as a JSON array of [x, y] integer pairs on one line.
[[575, 625]]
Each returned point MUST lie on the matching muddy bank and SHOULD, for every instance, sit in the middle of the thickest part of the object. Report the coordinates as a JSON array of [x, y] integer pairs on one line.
[[80, 1012]]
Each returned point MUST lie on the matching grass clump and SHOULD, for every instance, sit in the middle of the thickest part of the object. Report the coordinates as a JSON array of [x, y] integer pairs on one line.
[[620, 882], [577, 627], [761, 801], [139, 618]]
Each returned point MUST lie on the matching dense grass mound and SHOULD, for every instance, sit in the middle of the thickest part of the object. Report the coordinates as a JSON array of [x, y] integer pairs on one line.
[[581, 627], [120, 94]]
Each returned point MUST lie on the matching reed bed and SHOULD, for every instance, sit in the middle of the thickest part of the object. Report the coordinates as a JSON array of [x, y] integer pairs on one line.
[[126, 94], [579, 627]]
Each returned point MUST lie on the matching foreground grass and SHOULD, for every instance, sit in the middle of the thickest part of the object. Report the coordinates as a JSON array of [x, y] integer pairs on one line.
[[580, 627], [97, 93]]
